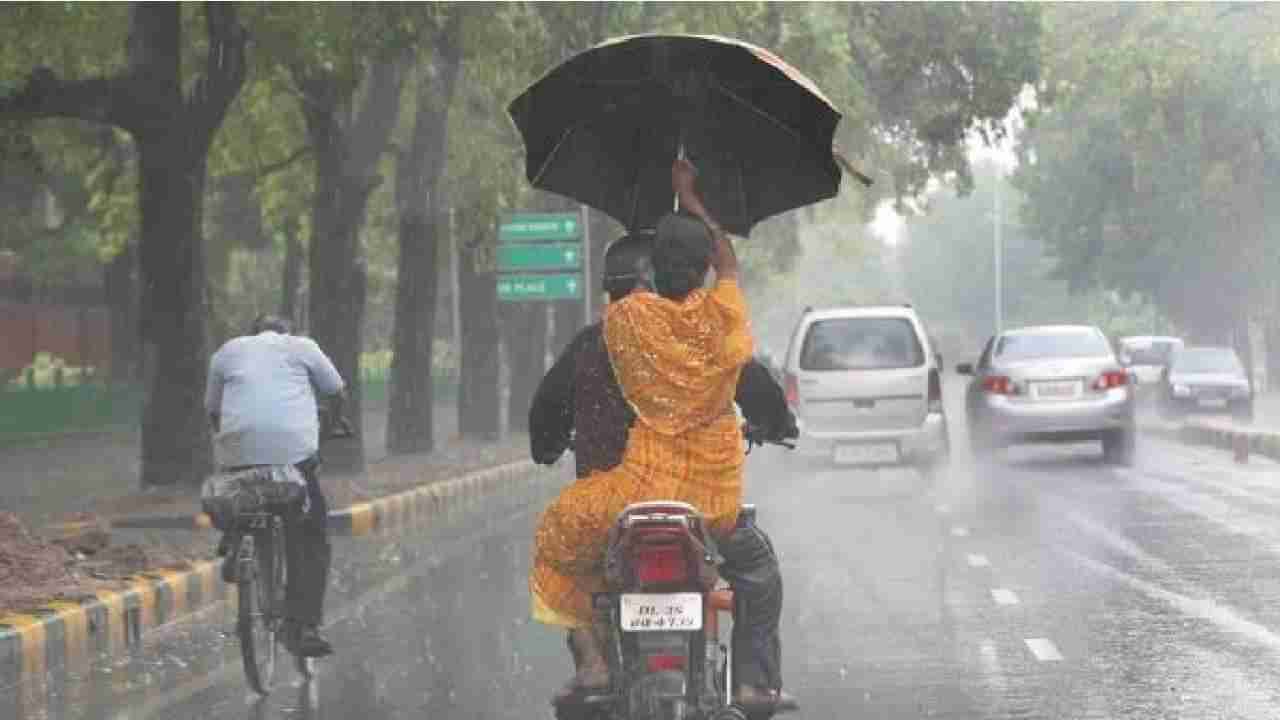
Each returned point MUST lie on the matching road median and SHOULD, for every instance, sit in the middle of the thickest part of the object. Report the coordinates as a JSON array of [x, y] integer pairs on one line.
[[1220, 434]]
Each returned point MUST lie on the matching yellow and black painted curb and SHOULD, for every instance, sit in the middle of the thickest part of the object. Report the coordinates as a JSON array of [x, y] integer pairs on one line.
[[37, 642], [413, 505], [1259, 442]]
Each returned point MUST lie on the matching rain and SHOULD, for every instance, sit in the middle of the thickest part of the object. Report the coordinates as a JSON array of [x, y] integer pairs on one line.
[[1006, 272]]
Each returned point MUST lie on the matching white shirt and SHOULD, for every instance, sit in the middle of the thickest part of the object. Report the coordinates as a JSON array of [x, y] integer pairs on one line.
[[263, 387]]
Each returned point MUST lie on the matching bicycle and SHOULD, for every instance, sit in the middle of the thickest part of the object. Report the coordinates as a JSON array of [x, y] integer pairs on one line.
[[255, 512]]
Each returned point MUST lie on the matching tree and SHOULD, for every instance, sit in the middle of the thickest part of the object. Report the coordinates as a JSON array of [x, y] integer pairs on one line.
[[172, 128], [347, 67], [1150, 160], [422, 210]]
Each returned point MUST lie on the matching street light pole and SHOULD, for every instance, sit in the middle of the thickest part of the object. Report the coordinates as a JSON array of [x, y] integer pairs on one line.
[[997, 251]]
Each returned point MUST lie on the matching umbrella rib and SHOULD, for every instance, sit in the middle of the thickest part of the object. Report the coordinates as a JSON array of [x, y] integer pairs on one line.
[[552, 155], [743, 102]]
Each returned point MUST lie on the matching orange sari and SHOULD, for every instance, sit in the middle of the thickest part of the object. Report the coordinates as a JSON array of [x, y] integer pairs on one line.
[[677, 364]]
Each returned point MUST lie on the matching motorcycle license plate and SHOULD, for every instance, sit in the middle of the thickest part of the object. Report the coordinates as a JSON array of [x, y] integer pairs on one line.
[[642, 612]]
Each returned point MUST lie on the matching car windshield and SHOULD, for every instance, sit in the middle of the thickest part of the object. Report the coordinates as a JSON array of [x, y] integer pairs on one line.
[[861, 344], [1208, 360], [1042, 345]]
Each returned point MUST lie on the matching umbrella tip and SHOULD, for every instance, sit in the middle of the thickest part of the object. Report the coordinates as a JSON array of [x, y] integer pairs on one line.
[[849, 168]]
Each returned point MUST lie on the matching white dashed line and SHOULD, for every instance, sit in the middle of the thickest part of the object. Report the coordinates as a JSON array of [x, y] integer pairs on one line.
[[979, 561], [943, 509], [1043, 649], [1004, 597], [960, 531]]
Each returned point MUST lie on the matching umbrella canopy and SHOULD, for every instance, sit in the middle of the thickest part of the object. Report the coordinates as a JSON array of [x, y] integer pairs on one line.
[[604, 127]]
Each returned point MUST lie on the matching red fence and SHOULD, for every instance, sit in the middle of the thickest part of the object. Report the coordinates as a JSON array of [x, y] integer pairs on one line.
[[80, 336]]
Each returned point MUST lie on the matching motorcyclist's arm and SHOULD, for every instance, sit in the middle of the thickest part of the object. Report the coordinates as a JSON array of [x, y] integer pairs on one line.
[[763, 403], [551, 412]]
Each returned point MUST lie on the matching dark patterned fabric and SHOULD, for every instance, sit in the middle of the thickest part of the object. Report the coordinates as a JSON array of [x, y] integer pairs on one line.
[[580, 398]]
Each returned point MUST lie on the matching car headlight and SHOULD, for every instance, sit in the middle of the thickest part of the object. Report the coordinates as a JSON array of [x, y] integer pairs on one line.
[[1181, 390]]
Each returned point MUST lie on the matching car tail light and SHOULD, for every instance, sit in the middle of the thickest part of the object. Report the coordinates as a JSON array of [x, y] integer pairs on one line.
[[1111, 379], [659, 663], [792, 390], [660, 564], [999, 385]]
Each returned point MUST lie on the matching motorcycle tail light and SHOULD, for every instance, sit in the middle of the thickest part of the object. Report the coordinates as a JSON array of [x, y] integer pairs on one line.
[[1111, 379], [660, 564], [660, 663]]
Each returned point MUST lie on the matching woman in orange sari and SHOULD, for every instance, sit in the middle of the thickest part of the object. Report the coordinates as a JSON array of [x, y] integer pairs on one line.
[[675, 356]]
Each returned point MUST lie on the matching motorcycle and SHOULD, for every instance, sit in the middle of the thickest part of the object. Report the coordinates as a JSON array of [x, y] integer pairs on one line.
[[662, 615]]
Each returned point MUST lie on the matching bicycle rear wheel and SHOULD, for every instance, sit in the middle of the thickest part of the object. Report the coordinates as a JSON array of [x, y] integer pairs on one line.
[[255, 623]]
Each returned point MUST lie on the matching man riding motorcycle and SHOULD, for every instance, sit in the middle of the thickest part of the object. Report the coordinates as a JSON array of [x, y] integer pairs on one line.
[[650, 393], [261, 399]]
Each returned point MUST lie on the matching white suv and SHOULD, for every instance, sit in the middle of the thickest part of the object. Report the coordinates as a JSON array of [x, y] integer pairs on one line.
[[866, 388]]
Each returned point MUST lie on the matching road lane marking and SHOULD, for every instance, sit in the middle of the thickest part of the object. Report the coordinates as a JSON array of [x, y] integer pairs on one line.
[[960, 531], [943, 508], [1043, 649], [1004, 597], [978, 561], [1203, 608]]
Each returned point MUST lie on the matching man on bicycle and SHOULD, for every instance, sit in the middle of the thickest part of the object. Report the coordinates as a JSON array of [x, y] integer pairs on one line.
[[261, 399]]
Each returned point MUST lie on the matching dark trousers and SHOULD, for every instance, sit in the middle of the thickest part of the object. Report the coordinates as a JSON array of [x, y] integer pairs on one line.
[[751, 568], [308, 552]]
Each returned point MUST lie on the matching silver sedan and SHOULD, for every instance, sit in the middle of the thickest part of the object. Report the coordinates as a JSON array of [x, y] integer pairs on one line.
[[1060, 383]]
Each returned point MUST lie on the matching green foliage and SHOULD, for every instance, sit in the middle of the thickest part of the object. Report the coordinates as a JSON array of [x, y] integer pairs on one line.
[[1148, 166]]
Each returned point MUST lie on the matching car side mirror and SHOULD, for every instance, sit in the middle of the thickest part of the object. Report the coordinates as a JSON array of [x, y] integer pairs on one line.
[[964, 369]]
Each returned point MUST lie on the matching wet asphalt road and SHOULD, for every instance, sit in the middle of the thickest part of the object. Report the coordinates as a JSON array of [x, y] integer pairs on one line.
[[1043, 585]]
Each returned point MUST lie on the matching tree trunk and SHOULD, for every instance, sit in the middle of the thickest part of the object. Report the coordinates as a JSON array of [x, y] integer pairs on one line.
[[337, 281], [291, 282], [478, 395], [347, 146], [121, 285], [525, 326], [410, 416], [175, 439]]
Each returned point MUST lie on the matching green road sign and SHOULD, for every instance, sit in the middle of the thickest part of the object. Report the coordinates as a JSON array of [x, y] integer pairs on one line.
[[552, 256], [535, 227], [518, 288]]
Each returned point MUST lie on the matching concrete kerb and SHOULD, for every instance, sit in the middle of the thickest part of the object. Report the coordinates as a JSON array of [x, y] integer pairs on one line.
[[1262, 442], [66, 633]]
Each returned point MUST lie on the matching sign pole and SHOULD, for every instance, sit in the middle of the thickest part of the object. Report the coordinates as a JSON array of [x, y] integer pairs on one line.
[[587, 283], [455, 289]]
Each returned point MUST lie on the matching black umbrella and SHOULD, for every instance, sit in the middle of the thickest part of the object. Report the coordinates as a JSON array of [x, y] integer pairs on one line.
[[604, 127]]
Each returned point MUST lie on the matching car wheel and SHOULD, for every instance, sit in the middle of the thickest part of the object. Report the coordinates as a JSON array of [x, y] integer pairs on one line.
[[1119, 446]]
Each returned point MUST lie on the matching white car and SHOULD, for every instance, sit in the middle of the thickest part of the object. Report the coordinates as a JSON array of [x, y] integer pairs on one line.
[[866, 388], [1148, 356]]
